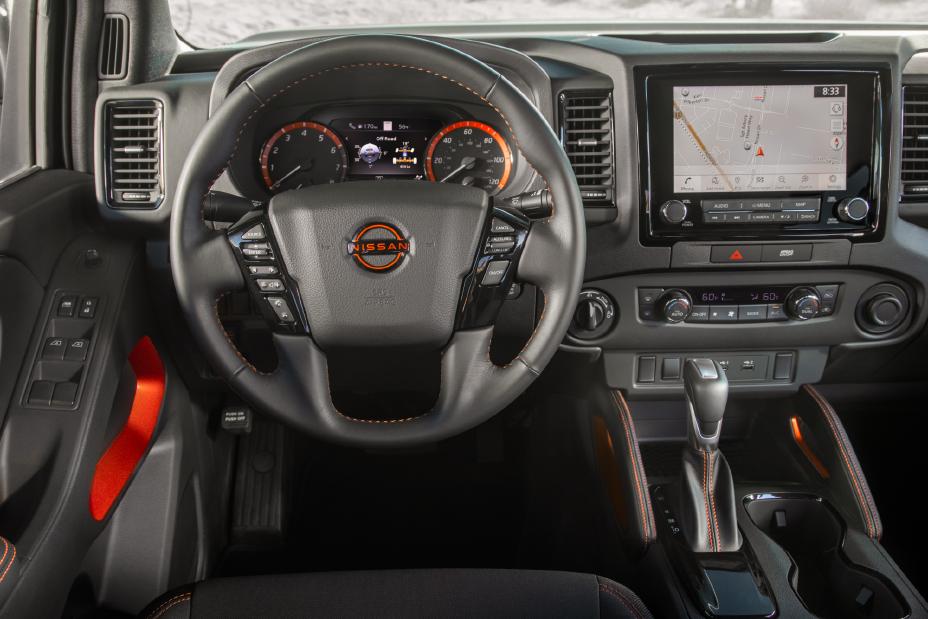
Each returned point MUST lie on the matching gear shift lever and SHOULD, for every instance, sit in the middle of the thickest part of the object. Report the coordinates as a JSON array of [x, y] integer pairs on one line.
[[706, 389], [708, 493]]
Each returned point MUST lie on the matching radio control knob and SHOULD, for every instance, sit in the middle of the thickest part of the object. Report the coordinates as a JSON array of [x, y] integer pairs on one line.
[[676, 306], [853, 210], [673, 212], [803, 303]]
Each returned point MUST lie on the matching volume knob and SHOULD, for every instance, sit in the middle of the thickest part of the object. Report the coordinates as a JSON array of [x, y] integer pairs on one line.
[[853, 210], [803, 303], [673, 212]]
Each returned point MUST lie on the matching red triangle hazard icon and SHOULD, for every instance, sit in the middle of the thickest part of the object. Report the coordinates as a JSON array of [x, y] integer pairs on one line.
[[736, 255], [760, 151]]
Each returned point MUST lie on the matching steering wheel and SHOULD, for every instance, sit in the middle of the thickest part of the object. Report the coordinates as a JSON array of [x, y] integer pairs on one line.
[[379, 264]]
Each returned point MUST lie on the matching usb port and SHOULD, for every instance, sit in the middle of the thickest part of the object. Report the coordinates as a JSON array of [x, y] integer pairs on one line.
[[747, 364]]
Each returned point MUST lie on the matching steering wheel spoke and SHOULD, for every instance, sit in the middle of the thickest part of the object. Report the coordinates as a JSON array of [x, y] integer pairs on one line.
[[273, 290]]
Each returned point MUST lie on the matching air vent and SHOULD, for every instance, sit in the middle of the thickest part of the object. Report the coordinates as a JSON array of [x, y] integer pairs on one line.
[[915, 144], [587, 136], [114, 47], [133, 154]]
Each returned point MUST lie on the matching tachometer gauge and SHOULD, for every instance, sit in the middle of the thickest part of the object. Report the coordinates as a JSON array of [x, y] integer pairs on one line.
[[302, 154], [469, 153]]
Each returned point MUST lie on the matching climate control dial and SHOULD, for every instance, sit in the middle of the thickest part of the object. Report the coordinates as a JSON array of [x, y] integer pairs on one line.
[[676, 306], [803, 303]]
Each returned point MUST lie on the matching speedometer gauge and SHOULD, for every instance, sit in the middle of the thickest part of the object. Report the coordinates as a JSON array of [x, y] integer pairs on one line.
[[302, 154], [469, 153]]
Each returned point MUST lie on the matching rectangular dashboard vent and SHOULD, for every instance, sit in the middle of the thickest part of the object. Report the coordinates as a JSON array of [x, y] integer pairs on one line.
[[132, 145], [114, 47], [915, 144], [586, 133]]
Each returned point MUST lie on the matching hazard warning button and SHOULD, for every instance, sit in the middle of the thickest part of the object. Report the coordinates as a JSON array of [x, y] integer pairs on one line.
[[735, 254]]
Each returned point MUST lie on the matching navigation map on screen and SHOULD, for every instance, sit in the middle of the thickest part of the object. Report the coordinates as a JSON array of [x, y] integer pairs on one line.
[[759, 138]]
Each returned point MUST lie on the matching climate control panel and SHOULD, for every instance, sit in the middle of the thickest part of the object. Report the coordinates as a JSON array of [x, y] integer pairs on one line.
[[731, 304]]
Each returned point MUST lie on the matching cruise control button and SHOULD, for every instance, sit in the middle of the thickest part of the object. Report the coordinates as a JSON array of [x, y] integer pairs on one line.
[[750, 313], [498, 226], [270, 285], [733, 254], [495, 273], [775, 311], [281, 309], [255, 233], [723, 313], [787, 253], [699, 313], [77, 350], [54, 348]]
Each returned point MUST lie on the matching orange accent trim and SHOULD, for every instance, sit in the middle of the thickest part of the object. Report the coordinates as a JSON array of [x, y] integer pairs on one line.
[[372, 267], [122, 457], [806, 449], [473, 124], [626, 419], [305, 124]]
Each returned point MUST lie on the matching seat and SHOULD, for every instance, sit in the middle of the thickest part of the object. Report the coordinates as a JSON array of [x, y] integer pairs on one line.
[[403, 593]]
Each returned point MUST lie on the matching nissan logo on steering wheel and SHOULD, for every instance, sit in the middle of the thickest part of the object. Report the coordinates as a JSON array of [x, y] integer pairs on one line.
[[378, 247]]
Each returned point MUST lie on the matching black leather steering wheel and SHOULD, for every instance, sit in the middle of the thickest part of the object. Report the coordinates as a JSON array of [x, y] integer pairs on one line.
[[320, 235]]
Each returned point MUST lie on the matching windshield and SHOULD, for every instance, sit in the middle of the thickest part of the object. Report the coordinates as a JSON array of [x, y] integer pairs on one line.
[[211, 23]]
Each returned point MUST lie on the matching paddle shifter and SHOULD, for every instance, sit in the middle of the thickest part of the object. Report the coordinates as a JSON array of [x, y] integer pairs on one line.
[[708, 493]]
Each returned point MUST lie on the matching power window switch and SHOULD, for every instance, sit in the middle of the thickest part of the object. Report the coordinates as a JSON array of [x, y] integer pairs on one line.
[[66, 306], [41, 392], [54, 348], [65, 394], [77, 350]]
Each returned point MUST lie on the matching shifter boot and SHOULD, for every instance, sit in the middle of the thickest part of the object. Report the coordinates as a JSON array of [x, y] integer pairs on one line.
[[708, 502]]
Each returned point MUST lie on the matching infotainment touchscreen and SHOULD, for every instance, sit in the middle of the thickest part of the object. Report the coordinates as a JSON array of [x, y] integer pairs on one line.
[[759, 138]]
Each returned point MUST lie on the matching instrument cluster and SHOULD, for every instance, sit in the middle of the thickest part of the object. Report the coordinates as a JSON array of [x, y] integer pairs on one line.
[[351, 143]]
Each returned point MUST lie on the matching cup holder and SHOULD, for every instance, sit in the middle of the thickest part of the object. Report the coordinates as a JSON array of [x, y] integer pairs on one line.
[[824, 578]]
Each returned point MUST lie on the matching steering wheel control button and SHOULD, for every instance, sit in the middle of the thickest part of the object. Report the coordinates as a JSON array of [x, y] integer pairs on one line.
[[54, 348], [66, 306], [255, 233], [787, 253], [735, 254], [41, 392], [65, 394], [270, 285], [263, 269], [256, 251], [723, 313], [281, 309], [77, 350], [500, 244], [88, 307], [495, 273], [498, 226]]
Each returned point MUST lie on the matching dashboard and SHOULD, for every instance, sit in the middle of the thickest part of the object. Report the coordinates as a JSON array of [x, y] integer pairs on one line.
[[750, 194]]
